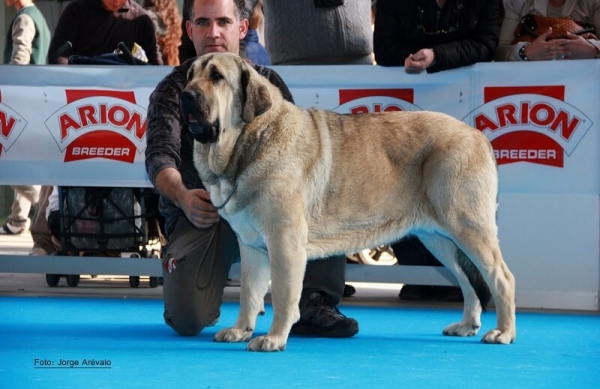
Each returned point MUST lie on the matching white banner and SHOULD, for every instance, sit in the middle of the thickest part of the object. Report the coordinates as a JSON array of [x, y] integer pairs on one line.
[[83, 125], [86, 126]]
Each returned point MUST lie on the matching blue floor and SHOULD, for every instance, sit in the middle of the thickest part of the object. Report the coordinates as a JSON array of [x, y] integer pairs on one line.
[[124, 343]]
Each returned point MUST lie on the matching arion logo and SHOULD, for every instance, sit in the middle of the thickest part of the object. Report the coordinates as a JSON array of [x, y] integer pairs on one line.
[[11, 126], [356, 101], [99, 124], [530, 124]]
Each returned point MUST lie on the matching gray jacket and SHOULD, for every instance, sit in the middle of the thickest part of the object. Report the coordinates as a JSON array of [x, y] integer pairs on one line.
[[299, 33]]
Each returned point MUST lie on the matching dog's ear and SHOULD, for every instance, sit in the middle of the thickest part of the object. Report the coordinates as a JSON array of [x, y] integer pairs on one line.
[[256, 99]]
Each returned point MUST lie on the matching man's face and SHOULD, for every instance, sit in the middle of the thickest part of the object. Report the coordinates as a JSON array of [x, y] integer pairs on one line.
[[113, 5], [216, 27]]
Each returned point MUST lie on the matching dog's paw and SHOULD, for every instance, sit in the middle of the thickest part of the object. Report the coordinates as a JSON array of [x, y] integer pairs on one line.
[[499, 337], [266, 343], [461, 329], [233, 335]]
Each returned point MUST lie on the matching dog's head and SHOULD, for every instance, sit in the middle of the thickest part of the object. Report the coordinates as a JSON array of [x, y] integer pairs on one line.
[[223, 92]]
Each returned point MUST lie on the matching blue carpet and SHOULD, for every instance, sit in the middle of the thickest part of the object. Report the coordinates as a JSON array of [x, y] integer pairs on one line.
[[396, 348]]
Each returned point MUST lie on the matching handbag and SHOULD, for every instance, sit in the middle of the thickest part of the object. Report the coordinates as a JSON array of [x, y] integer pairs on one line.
[[532, 26]]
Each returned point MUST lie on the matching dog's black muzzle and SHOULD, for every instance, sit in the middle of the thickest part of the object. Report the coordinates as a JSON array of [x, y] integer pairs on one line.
[[201, 130]]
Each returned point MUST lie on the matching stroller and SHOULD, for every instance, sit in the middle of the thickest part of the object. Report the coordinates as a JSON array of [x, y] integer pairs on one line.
[[108, 222]]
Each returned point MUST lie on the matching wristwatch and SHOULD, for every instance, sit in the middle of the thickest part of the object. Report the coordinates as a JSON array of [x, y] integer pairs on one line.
[[521, 52]]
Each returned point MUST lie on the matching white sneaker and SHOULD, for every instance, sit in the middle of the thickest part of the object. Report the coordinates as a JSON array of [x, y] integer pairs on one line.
[[9, 229]]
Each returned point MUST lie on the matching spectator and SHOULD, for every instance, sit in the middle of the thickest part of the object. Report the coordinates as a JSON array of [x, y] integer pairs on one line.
[[18, 222], [323, 32], [431, 36], [320, 32], [27, 41], [253, 49], [96, 27], [584, 12], [28, 36], [186, 49], [42, 240], [166, 19], [436, 35], [193, 291]]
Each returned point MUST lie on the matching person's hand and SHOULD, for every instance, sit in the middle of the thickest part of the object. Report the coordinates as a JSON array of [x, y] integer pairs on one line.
[[543, 50], [580, 48], [197, 207], [421, 60]]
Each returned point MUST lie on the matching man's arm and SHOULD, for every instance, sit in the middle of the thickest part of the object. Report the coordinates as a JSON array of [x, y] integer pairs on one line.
[[23, 32], [276, 80], [195, 203], [163, 159]]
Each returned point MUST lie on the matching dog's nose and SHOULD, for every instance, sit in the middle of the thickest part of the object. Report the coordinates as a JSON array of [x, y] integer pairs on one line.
[[188, 96]]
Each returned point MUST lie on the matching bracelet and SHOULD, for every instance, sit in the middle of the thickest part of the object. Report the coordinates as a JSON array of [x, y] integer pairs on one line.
[[521, 52]]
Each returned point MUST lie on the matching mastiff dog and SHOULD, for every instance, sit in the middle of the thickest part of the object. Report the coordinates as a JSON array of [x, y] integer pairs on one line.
[[297, 185]]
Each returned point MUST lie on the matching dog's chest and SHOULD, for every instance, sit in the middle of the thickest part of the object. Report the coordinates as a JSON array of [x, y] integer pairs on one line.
[[245, 229]]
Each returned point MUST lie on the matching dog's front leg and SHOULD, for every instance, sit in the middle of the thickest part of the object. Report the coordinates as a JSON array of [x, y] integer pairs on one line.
[[288, 265], [255, 283]]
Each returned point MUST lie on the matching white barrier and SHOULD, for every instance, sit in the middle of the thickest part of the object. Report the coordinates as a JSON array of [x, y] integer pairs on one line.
[[85, 126]]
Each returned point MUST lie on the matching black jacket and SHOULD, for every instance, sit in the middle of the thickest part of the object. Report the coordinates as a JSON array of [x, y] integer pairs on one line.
[[169, 143], [461, 33]]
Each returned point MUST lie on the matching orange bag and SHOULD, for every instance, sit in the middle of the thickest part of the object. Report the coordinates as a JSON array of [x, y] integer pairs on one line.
[[532, 26]]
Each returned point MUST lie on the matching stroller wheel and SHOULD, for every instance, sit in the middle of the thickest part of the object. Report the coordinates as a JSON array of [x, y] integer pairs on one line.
[[134, 281], [52, 279], [73, 280]]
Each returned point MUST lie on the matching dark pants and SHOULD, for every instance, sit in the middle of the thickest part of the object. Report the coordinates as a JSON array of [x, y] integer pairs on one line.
[[196, 266]]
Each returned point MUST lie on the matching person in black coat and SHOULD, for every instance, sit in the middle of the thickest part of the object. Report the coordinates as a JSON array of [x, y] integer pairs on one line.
[[432, 36], [436, 35]]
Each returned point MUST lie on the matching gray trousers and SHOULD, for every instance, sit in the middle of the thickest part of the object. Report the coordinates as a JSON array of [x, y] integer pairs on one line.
[[196, 267], [26, 196]]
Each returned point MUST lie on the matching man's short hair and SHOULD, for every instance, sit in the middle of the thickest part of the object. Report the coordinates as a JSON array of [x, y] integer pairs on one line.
[[241, 10]]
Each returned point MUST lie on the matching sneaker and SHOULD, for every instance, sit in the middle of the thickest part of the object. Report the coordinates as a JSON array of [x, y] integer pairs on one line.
[[451, 294], [9, 229], [320, 317]]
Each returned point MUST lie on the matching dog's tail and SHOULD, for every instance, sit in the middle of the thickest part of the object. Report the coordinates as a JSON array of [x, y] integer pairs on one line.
[[475, 279]]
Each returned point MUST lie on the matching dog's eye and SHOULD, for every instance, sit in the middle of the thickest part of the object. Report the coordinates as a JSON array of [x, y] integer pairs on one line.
[[215, 75]]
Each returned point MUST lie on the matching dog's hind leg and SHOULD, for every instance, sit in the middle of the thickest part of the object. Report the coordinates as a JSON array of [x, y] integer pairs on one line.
[[255, 283], [446, 251]]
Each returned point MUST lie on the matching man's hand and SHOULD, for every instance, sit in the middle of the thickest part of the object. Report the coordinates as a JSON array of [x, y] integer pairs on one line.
[[421, 60], [196, 205]]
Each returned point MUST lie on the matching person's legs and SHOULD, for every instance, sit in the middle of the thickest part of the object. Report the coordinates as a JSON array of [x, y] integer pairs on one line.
[[411, 252], [195, 269], [323, 288], [42, 241], [18, 221]]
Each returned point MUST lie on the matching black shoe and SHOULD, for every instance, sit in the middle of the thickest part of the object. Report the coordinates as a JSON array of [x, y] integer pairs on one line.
[[320, 317], [349, 290], [450, 294], [415, 292]]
